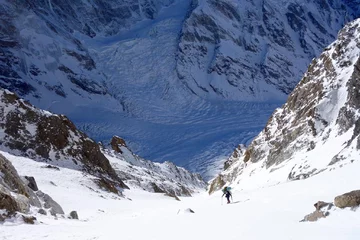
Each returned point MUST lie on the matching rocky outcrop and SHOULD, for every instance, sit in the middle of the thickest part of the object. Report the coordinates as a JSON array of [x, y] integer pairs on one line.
[[116, 143], [350, 199], [322, 211], [15, 196], [237, 154], [43, 136]]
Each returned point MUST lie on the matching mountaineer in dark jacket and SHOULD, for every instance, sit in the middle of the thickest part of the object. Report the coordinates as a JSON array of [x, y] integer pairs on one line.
[[227, 193]]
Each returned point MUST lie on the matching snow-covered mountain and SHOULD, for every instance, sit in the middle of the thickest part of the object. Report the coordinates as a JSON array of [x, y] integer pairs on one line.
[[149, 70], [43, 136], [316, 130], [255, 50], [46, 137]]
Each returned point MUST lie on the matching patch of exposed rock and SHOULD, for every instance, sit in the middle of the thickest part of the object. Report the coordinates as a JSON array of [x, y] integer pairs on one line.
[[322, 211], [346, 200], [116, 143], [15, 196]]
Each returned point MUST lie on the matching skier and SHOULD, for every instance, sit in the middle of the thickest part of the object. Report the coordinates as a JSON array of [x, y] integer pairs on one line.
[[227, 193]]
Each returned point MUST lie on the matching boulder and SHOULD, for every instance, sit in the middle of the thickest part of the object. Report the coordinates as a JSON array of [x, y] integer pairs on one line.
[[185, 211], [350, 199], [31, 183], [8, 203], [29, 220], [189, 210], [50, 204], [23, 203], [74, 215]]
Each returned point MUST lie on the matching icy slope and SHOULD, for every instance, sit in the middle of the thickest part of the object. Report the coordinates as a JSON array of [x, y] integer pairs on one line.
[[318, 127], [277, 210]]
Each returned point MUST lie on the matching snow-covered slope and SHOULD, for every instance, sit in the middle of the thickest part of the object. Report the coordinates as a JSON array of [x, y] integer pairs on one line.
[[153, 216], [122, 67], [317, 129]]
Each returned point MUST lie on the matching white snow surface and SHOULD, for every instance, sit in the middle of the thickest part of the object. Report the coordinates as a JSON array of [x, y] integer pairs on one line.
[[260, 213]]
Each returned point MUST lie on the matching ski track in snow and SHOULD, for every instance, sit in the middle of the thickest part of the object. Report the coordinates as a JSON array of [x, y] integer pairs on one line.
[[259, 213]]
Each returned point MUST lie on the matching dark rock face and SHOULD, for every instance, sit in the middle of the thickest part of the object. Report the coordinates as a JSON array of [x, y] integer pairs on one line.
[[44, 136], [32, 183], [350, 199]]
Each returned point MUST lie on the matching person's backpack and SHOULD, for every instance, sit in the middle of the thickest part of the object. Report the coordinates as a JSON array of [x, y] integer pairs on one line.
[[227, 189]]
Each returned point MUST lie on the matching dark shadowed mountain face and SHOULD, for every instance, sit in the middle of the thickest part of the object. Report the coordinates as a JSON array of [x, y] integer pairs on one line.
[[317, 129], [151, 70], [256, 50]]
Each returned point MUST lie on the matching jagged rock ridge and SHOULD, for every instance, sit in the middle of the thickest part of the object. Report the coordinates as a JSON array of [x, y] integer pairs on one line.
[[154, 177]]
